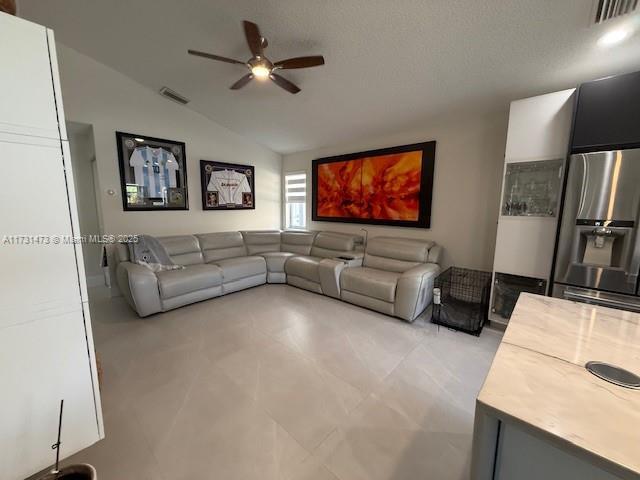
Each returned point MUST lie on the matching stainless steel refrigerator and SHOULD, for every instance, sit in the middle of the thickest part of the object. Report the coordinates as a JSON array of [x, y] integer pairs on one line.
[[598, 253]]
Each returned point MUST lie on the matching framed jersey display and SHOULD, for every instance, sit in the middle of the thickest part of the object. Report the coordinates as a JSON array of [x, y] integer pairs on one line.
[[226, 186], [153, 173]]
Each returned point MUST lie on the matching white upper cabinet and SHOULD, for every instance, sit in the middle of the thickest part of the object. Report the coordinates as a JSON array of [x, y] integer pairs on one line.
[[40, 276], [27, 99], [539, 127]]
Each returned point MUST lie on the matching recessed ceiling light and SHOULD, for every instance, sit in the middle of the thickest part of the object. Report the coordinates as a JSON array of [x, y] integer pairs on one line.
[[614, 37], [139, 140]]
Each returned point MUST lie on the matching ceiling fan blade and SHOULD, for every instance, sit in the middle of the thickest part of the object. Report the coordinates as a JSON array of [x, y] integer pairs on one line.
[[242, 82], [284, 83], [300, 62], [254, 39], [215, 57]]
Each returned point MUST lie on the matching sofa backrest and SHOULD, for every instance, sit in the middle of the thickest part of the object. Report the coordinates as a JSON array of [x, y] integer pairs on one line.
[[182, 249], [333, 244], [297, 242], [397, 254], [221, 245], [261, 241], [384, 253]]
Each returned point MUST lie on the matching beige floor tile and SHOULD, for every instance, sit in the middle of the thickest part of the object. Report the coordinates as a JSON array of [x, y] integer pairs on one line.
[[221, 342], [311, 468], [379, 443], [271, 319], [431, 409], [220, 432], [306, 400], [456, 362], [279, 383], [353, 356]]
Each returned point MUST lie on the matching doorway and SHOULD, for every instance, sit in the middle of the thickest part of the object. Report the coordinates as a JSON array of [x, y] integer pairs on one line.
[[85, 180]]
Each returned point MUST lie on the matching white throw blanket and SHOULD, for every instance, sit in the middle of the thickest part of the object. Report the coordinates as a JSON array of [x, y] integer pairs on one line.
[[157, 267], [149, 252]]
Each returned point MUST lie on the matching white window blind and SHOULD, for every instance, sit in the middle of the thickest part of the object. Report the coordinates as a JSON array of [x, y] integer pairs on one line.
[[295, 198]]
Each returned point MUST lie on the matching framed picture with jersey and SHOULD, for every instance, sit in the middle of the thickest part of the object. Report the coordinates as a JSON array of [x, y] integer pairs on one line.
[[227, 186], [153, 173]]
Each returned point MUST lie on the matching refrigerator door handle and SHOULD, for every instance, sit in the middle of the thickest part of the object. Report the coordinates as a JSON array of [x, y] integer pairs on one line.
[[605, 302]]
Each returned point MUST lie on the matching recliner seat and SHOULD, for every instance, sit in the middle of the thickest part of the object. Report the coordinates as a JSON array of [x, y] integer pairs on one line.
[[148, 292], [228, 251], [173, 283], [396, 277]]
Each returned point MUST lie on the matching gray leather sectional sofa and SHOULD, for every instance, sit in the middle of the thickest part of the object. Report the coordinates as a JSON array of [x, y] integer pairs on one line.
[[392, 276]]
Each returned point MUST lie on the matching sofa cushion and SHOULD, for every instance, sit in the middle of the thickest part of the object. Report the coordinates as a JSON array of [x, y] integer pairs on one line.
[[333, 244], [305, 267], [173, 283], [260, 241], [396, 254], [276, 260], [182, 249], [297, 242], [335, 241], [388, 264], [370, 282], [241, 267], [221, 245]]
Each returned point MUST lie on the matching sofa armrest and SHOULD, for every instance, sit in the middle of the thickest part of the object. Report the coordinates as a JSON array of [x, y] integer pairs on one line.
[[329, 270], [139, 285], [414, 291]]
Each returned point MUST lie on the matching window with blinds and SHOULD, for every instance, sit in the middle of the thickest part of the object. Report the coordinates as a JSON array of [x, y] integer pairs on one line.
[[295, 198]]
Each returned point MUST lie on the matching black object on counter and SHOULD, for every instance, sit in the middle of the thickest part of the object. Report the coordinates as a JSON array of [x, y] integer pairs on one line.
[[614, 374], [607, 113], [464, 299]]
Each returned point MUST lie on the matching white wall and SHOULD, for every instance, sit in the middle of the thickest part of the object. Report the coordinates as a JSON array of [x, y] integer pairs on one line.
[[100, 96], [468, 169]]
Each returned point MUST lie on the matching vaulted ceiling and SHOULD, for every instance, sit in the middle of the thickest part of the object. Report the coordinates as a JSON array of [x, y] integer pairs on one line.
[[389, 64]]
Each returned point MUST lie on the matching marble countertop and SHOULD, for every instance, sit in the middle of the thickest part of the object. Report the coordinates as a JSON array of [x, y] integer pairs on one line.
[[538, 379]]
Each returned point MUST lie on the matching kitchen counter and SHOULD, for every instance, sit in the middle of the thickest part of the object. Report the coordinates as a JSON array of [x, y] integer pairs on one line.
[[538, 384]]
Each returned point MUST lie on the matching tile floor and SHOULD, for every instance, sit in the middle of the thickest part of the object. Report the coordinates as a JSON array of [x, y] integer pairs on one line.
[[279, 383]]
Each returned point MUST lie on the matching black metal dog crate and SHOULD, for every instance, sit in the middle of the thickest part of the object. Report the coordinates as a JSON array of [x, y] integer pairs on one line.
[[464, 299]]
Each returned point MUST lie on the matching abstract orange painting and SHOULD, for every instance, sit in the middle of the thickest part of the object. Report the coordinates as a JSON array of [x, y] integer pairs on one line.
[[389, 186]]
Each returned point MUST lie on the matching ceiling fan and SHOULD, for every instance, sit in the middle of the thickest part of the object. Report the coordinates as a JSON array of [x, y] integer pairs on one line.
[[260, 67]]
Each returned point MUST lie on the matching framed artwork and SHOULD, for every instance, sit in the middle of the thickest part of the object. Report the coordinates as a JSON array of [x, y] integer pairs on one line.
[[227, 186], [390, 186], [153, 173]]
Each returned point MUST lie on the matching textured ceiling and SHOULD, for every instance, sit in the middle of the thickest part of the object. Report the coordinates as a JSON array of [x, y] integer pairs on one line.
[[390, 64]]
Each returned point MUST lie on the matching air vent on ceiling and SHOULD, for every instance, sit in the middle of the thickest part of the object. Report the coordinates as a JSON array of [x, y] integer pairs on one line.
[[171, 95], [608, 9]]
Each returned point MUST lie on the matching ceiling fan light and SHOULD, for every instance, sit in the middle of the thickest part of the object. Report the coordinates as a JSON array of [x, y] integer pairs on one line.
[[260, 72]]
